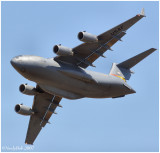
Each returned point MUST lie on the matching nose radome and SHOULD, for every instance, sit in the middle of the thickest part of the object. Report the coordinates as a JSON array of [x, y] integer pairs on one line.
[[16, 62], [13, 62]]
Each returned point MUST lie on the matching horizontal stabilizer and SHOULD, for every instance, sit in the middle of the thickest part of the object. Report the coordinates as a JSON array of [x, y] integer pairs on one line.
[[136, 59]]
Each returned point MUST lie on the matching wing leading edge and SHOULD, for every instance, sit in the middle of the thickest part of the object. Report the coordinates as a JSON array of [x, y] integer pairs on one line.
[[86, 53], [44, 106]]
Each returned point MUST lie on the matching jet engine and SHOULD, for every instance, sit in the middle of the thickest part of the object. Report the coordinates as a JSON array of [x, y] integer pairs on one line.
[[28, 90], [23, 110], [87, 37], [62, 51]]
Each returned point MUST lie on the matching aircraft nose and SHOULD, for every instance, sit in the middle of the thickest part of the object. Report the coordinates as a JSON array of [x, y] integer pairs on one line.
[[13, 62], [16, 63]]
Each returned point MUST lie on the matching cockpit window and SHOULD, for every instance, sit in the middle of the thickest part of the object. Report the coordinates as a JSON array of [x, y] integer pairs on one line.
[[17, 57]]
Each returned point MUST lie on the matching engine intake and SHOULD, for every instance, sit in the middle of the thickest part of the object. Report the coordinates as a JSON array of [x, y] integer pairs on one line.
[[62, 51], [23, 110], [28, 90], [87, 37]]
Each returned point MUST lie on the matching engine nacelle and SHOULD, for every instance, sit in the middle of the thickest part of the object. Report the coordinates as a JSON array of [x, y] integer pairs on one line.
[[62, 51], [28, 90], [23, 110], [87, 37]]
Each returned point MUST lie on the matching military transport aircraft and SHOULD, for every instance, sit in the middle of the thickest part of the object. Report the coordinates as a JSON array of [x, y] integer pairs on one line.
[[65, 76]]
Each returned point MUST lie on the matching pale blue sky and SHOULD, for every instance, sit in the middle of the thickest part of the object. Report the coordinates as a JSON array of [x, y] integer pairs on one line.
[[124, 124]]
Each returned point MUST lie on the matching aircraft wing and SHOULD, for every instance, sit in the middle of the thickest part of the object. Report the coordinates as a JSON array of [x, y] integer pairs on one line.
[[86, 53], [43, 106]]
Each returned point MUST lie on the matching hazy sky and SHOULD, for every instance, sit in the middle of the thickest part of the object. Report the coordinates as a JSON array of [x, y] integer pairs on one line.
[[122, 124]]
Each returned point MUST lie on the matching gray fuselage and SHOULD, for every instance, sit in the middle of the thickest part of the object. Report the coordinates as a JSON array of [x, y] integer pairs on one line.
[[69, 81]]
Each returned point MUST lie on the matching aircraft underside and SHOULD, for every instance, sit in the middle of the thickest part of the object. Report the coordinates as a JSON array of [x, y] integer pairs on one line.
[[65, 76]]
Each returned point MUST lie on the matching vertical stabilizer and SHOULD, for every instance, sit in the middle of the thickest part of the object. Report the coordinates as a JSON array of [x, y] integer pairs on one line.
[[116, 71]]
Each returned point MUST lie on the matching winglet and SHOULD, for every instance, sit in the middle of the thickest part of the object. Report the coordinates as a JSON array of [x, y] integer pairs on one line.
[[142, 12]]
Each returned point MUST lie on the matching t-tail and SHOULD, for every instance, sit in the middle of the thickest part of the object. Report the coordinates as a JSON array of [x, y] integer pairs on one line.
[[122, 70]]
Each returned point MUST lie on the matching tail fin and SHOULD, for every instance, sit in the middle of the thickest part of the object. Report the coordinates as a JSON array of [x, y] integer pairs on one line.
[[123, 71]]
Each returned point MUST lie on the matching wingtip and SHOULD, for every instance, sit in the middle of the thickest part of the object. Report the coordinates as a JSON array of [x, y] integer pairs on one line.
[[151, 50], [154, 49], [28, 143], [142, 12]]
